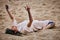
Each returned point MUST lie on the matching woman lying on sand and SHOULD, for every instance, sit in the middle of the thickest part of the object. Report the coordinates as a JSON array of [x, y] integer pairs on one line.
[[29, 25]]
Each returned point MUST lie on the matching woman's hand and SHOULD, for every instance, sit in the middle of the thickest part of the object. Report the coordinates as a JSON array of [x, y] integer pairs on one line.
[[27, 8], [6, 6]]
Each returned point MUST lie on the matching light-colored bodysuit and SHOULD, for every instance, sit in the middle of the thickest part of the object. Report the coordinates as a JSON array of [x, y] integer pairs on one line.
[[35, 25]]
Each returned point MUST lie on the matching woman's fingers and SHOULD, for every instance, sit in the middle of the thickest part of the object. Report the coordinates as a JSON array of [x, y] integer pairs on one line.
[[27, 7]]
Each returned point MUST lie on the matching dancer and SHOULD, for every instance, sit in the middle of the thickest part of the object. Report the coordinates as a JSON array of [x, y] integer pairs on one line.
[[30, 25]]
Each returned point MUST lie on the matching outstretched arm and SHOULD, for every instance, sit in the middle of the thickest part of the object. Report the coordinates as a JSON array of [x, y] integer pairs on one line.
[[30, 16], [7, 9]]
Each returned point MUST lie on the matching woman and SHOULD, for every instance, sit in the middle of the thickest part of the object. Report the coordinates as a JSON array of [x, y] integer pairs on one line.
[[29, 25]]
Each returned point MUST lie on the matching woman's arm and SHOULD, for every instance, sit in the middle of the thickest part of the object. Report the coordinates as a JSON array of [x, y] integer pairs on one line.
[[30, 19], [30, 16], [7, 9]]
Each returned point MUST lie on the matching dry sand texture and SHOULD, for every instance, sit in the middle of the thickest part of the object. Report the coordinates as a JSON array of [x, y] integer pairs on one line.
[[40, 9]]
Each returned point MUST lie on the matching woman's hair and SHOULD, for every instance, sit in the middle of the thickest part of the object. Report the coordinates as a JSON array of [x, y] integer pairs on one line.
[[12, 32]]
